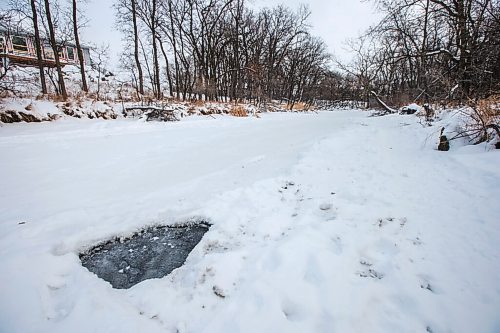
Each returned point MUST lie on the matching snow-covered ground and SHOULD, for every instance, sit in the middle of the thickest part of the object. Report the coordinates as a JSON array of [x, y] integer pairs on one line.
[[329, 222]]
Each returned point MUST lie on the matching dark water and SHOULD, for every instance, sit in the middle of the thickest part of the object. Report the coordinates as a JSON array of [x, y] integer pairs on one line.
[[151, 253]]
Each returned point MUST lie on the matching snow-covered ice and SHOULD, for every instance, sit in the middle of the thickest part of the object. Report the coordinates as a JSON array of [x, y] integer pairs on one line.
[[329, 222]]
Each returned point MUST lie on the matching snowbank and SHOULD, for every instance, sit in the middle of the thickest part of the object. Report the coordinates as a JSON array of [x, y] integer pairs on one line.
[[13, 110]]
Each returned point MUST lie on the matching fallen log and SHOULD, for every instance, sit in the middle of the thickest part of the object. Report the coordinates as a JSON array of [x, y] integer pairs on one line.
[[382, 104]]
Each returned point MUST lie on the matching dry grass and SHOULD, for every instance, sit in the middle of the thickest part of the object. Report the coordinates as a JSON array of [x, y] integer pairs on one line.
[[238, 111], [489, 109], [198, 103], [299, 106], [55, 98], [483, 122], [487, 116]]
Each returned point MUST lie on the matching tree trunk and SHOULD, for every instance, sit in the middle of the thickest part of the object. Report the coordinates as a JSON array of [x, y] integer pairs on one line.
[[148, 69], [56, 51], [156, 64], [79, 49], [423, 66], [136, 49], [174, 45], [382, 104], [462, 42], [169, 76], [38, 48]]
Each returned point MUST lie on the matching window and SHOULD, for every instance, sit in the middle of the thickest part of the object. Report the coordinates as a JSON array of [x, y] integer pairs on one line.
[[60, 49], [47, 52], [19, 44], [71, 52]]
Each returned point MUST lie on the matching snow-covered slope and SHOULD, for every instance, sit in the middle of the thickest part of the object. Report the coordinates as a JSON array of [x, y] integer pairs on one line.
[[329, 222]]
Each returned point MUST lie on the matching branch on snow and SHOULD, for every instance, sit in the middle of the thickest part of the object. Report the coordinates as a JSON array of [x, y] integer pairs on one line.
[[382, 104]]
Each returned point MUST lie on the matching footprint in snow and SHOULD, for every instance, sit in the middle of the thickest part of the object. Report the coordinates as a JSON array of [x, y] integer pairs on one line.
[[328, 210], [416, 241], [219, 292], [337, 245], [293, 311], [325, 206], [368, 271], [427, 286], [385, 221], [382, 222], [371, 273], [365, 262], [425, 283], [287, 185], [287, 190], [55, 300]]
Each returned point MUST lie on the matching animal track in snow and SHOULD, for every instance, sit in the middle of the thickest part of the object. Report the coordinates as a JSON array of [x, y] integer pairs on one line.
[[371, 273], [367, 270], [416, 241], [427, 286], [382, 222], [425, 283], [365, 262]]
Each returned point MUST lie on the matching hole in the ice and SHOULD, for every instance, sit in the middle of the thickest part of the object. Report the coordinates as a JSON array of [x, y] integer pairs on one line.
[[151, 253]]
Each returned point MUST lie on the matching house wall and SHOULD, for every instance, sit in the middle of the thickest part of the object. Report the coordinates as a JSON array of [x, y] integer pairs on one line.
[[25, 51]]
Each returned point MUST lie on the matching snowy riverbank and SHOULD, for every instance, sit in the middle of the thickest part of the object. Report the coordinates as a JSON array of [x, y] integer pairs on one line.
[[329, 222]]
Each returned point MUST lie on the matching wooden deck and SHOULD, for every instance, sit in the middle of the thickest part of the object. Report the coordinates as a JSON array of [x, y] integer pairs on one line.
[[26, 60]]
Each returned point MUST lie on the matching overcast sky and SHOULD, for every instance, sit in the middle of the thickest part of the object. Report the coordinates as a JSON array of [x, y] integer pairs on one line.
[[332, 20]]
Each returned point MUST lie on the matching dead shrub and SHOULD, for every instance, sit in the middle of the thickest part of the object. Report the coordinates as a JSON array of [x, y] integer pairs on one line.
[[483, 121], [238, 111], [298, 106], [489, 109], [198, 103], [55, 98]]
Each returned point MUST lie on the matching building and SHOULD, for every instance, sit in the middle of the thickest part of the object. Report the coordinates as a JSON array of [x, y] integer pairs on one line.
[[19, 48]]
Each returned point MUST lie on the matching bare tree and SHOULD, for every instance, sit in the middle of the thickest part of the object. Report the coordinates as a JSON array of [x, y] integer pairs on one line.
[[221, 50], [434, 50], [126, 15], [55, 49], [100, 61], [78, 46], [38, 47]]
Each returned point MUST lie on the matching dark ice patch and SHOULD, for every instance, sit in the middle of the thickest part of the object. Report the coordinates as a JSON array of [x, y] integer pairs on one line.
[[151, 253]]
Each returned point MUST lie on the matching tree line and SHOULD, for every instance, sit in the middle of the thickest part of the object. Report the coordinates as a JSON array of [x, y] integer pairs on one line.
[[221, 50], [224, 50], [430, 51]]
